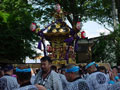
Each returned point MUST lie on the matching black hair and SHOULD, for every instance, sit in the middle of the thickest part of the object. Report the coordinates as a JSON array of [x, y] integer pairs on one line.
[[81, 72], [102, 68], [53, 67], [23, 76], [37, 70], [8, 67], [84, 70], [115, 67], [46, 58]]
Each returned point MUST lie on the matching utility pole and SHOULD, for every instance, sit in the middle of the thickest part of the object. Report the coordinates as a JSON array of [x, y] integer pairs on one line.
[[117, 2], [114, 12]]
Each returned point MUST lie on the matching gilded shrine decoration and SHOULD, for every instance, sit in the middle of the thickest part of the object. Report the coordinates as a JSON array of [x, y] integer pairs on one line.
[[61, 37]]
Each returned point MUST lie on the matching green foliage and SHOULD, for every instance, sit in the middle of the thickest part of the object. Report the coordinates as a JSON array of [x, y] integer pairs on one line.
[[98, 49], [16, 16], [107, 48], [16, 39], [82, 10], [4, 16]]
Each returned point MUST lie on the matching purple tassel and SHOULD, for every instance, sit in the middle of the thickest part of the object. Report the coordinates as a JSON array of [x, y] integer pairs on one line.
[[67, 53], [39, 44], [44, 48], [72, 32], [40, 33], [76, 47], [69, 40], [66, 56], [76, 43]]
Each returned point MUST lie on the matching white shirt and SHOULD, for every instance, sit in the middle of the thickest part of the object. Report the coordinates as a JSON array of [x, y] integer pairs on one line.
[[78, 84], [63, 80], [98, 81], [28, 87], [51, 82], [8, 83], [32, 79], [115, 86]]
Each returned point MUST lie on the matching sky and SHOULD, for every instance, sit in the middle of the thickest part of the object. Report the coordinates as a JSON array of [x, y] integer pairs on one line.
[[91, 28], [94, 29]]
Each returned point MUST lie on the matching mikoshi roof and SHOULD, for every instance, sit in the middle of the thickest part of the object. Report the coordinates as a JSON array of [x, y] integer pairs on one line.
[[58, 29]]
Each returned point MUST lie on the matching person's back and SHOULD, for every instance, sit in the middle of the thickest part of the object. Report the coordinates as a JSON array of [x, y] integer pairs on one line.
[[63, 80], [11, 82], [3, 83], [23, 76], [1, 72], [73, 76], [8, 82], [79, 84], [115, 86], [98, 81], [31, 87]]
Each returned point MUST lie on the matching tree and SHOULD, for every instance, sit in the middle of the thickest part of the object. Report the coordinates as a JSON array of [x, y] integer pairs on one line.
[[107, 48], [98, 50], [16, 39], [81, 10], [111, 44], [117, 3], [77, 10]]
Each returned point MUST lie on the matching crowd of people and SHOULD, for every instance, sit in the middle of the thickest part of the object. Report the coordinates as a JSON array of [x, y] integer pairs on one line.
[[69, 77]]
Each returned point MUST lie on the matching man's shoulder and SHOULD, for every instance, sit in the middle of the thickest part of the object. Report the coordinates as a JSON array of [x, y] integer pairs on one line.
[[61, 75], [82, 84], [29, 87], [96, 73], [115, 86], [80, 81], [3, 83], [10, 78], [79, 84], [54, 73], [40, 71]]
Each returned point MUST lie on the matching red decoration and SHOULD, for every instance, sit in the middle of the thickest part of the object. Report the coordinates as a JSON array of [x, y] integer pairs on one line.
[[57, 8], [73, 56], [49, 48], [71, 48], [83, 34], [78, 25], [33, 27]]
